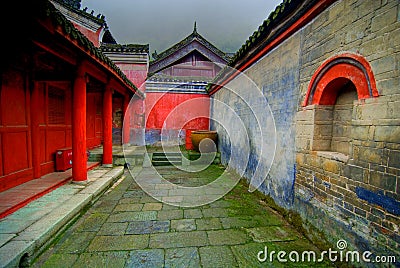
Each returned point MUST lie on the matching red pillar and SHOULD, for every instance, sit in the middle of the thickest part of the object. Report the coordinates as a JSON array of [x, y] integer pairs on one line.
[[35, 100], [126, 127], [79, 157], [107, 127]]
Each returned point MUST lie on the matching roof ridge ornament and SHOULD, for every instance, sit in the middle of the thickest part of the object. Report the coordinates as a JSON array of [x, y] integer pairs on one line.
[[195, 27]]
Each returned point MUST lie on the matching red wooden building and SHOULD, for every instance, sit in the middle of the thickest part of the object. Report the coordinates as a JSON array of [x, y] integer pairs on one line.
[[133, 60], [94, 27], [56, 91], [176, 100]]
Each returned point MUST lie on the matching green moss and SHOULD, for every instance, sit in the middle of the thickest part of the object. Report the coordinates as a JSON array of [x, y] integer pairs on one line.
[[243, 204]]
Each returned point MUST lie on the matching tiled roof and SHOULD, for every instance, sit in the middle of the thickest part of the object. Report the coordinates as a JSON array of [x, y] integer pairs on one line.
[[75, 7], [73, 3], [48, 10], [169, 78], [193, 36], [132, 48], [264, 29]]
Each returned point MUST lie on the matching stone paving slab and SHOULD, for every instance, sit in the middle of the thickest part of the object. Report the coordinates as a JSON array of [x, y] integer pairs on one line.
[[61, 261], [34, 225], [148, 227], [217, 256], [122, 242], [178, 239], [146, 258], [184, 225], [101, 259], [133, 216], [128, 228], [182, 257]]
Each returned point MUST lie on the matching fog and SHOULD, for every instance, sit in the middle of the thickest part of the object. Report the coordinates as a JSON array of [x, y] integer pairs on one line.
[[161, 23]]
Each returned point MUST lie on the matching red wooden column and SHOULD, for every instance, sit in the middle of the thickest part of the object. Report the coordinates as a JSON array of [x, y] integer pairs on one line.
[[107, 127], [126, 128], [79, 157], [35, 107]]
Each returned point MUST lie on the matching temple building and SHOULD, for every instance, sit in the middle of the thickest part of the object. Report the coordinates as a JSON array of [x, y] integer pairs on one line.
[[325, 72], [128, 114], [131, 59], [57, 92], [176, 100]]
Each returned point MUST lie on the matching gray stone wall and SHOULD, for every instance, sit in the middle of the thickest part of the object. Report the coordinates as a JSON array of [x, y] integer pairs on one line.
[[357, 192], [355, 195], [277, 76]]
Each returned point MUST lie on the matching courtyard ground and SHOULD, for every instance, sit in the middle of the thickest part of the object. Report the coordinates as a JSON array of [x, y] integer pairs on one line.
[[128, 228]]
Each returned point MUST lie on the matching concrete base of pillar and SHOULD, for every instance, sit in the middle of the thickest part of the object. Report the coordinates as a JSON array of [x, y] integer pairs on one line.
[[84, 183]]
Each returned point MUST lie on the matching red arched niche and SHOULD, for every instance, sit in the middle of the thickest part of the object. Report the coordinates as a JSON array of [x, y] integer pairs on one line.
[[335, 73]]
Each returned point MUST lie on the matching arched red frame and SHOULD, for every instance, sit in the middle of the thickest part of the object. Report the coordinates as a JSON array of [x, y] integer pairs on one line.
[[337, 71]]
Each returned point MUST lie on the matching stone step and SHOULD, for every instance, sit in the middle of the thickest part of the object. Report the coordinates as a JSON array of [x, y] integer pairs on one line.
[[95, 157], [167, 153], [170, 158], [166, 163], [166, 158]]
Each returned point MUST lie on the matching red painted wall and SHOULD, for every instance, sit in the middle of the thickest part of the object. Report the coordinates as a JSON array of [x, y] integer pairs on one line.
[[92, 36], [136, 109], [46, 113], [182, 111], [94, 119], [15, 131], [137, 73], [54, 122], [51, 121]]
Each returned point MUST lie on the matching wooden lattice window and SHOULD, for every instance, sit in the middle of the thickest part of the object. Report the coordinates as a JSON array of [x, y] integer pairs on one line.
[[56, 106]]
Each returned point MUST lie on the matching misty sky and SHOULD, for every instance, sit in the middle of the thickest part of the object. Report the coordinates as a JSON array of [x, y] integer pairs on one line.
[[161, 23]]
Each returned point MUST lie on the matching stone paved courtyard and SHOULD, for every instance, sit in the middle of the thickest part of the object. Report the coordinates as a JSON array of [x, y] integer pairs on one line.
[[128, 228]]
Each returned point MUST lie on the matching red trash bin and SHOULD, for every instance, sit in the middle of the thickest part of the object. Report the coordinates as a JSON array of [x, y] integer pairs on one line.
[[63, 159]]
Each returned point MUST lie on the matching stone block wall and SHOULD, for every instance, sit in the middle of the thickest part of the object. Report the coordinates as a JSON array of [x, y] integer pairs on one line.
[[354, 195], [351, 192], [277, 77]]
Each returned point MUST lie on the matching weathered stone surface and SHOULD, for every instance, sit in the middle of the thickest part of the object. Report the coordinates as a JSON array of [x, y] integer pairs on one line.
[[123, 242], [113, 228], [215, 212], [183, 225], [93, 222], [129, 207], [227, 237], [170, 214], [178, 239], [102, 259], [220, 256], [148, 227], [192, 213], [271, 234], [246, 255], [152, 206], [133, 216], [60, 260], [208, 224], [146, 258], [77, 242], [182, 257]]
